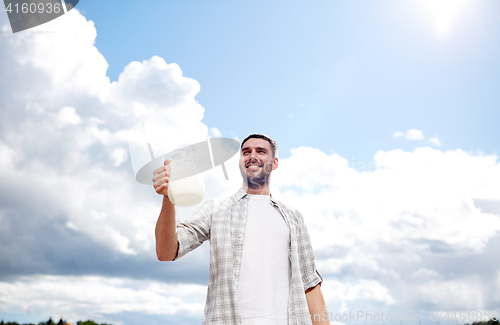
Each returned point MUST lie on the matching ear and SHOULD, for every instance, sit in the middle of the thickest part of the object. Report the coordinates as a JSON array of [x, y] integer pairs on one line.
[[275, 163]]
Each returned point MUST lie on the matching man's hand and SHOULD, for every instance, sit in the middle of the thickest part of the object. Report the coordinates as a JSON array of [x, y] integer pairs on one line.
[[161, 178]]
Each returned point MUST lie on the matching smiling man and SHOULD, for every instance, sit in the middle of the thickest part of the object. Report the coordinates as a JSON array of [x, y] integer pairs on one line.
[[262, 268]]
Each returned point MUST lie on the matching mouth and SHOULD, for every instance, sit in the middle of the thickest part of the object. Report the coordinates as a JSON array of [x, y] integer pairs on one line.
[[253, 166]]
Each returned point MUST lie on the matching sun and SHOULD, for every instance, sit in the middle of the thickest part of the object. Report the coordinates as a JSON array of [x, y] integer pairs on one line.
[[445, 13]]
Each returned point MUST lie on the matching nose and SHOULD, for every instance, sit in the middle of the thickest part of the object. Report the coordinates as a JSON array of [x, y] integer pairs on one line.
[[253, 154]]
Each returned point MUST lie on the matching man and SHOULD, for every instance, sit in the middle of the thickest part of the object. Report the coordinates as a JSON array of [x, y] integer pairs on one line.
[[262, 268]]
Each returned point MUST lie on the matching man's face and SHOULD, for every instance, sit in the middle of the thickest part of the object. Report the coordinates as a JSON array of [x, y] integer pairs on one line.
[[257, 162]]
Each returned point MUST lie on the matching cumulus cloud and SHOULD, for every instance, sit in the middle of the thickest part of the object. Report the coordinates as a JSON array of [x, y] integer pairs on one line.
[[72, 154], [415, 207], [147, 87], [69, 203]]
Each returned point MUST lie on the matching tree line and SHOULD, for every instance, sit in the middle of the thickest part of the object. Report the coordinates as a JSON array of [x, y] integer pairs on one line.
[[91, 322], [490, 322], [51, 322]]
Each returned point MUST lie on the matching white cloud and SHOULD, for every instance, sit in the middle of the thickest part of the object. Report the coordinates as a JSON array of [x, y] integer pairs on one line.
[[497, 294], [215, 132], [65, 129], [458, 294], [398, 134], [119, 155], [7, 154], [153, 85], [415, 202], [435, 141], [68, 56], [67, 116], [424, 194], [413, 134], [91, 296], [365, 289]]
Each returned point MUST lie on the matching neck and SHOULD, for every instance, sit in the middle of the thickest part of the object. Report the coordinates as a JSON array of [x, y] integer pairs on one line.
[[256, 189]]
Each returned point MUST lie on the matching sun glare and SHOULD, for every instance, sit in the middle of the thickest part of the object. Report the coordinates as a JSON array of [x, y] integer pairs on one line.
[[445, 13]]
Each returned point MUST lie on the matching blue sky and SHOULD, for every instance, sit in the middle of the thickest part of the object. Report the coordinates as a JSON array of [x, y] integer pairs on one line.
[[385, 113], [362, 70]]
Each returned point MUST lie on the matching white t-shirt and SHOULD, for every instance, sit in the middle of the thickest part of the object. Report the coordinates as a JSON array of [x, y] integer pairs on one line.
[[264, 282]]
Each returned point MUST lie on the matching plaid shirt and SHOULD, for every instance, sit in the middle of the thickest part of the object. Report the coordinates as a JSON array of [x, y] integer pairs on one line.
[[223, 223]]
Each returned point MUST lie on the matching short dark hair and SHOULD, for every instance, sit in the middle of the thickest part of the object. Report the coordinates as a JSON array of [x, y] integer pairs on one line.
[[274, 146]]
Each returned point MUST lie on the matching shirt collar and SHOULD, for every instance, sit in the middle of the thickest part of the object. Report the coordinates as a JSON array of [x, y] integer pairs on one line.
[[241, 194]]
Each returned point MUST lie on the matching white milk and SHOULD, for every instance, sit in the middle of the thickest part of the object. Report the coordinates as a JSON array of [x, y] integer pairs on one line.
[[187, 191]]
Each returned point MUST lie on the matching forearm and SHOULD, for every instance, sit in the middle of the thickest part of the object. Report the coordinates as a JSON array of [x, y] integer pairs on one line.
[[165, 232], [317, 306]]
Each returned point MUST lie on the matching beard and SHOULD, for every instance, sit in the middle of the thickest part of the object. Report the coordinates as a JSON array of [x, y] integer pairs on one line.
[[256, 180]]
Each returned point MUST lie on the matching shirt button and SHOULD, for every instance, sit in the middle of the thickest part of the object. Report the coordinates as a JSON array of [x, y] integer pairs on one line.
[[239, 236]]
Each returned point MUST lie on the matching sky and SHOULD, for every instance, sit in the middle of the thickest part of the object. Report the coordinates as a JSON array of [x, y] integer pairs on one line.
[[385, 114]]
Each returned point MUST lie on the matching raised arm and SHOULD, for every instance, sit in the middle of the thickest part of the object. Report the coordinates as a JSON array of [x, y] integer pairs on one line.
[[165, 231]]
